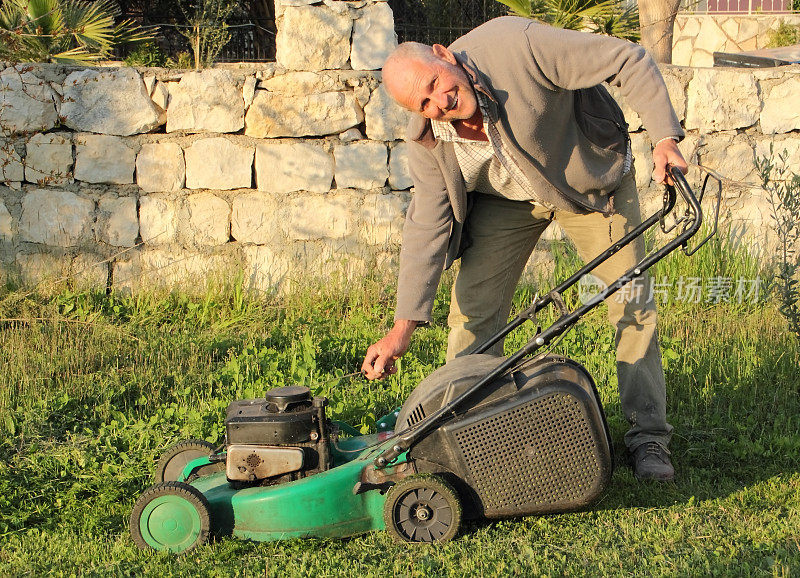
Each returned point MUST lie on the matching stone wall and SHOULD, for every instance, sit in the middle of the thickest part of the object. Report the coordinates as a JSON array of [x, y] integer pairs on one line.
[[141, 178], [698, 36], [133, 178]]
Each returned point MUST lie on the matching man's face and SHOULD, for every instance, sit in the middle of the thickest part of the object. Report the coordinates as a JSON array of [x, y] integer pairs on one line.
[[437, 89]]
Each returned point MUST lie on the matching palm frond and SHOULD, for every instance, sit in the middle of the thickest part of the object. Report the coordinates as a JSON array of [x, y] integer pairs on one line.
[[519, 7], [70, 31], [610, 17]]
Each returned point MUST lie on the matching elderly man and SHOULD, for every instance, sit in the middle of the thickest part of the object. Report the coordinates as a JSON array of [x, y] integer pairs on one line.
[[513, 131]]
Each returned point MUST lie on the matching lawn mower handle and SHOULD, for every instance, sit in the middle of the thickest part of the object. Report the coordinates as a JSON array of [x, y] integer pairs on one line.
[[690, 223]]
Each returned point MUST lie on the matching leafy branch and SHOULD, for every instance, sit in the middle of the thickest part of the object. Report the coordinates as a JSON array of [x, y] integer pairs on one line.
[[783, 188]]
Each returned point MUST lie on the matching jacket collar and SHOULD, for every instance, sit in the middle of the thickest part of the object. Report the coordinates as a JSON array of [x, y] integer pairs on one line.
[[419, 128]]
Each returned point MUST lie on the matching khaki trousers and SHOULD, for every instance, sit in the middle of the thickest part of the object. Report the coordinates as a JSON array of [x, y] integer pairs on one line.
[[504, 233]]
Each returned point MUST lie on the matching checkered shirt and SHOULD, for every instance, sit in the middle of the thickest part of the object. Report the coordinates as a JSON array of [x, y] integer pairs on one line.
[[489, 167]]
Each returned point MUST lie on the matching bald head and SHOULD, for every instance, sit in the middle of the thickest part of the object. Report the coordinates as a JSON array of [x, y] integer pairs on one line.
[[400, 61]]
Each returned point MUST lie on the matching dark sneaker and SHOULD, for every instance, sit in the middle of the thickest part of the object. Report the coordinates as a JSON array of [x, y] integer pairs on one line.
[[651, 462]]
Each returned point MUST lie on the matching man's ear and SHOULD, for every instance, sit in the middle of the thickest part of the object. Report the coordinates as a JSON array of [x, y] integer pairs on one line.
[[441, 52]]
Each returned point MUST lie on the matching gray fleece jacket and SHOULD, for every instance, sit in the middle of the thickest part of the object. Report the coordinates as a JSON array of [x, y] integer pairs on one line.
[[566, 133]]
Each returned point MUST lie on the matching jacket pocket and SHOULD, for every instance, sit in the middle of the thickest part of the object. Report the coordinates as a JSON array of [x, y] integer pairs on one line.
[[601, 120]]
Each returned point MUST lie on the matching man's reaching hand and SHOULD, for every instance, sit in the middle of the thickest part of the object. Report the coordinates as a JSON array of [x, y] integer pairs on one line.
[[380, 358]]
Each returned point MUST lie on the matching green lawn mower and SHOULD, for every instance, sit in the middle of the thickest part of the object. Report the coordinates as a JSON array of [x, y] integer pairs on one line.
[[481, 437]]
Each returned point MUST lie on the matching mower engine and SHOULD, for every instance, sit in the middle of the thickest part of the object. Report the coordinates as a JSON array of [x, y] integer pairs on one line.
[[279, 438]]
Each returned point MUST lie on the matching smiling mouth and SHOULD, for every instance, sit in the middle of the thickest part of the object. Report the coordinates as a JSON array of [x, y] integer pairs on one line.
[[452, 106]]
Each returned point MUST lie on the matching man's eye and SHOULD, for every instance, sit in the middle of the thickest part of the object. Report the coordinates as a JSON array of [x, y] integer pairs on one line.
[[424, 105]]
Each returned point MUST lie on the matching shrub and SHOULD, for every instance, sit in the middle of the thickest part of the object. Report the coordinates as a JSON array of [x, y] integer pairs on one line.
[[146, 54], [783, 189], [784, 35]]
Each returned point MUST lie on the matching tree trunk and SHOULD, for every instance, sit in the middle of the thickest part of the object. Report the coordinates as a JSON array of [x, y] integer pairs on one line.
[[197, 47], [262, 13], [657, 20]]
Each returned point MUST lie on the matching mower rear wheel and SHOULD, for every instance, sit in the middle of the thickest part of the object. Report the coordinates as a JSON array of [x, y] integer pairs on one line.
[[422, 508], [171, 516], [172, 462]]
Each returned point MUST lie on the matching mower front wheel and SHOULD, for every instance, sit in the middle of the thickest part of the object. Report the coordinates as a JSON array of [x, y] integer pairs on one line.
[[422, 508], [171, 516], [172, 462]]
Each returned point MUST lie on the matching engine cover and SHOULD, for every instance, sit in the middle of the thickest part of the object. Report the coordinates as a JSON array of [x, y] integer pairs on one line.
[[285, 416], [248, 463], [281, 437], [534, 441]]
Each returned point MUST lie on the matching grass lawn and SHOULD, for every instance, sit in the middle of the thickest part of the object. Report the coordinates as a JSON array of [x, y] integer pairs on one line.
[[93, 387]]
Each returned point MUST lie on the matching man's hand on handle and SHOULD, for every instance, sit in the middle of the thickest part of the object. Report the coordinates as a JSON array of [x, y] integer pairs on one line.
[[380, 358], [666, 153]]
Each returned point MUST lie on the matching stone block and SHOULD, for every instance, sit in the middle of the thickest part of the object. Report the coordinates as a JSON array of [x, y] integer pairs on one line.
[[293, 166], [149, 83], [158, 220], [382, 219], [710, 38], [682, 50], [642, 151], [720, 99], [6, 223], [37, 269], [386, 120], [206, 101], [350, 135], [248, 92], [399, 174], [11, 168], [313, 38], [207, 220], [258, 218], [373, 37], [731, 156], [49, 159], [103, 159], [173, 268], [265, 268], [314, 217], [160, 167], [218, 163], [677, 94], [278, 115], [300, 83], [117, 222], [111, 101], [781, 111], [361, 165], [28, 104], [160, 95], [89, 271], [55, 217]]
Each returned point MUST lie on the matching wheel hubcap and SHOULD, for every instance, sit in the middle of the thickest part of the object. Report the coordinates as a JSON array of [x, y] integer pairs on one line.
[[423, 515], [423, 512], [170, 523]]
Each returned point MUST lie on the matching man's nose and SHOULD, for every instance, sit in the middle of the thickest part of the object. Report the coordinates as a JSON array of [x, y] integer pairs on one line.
[[441, 100]]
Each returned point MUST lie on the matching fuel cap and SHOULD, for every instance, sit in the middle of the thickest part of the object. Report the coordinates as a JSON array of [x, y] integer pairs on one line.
[[283, 397]]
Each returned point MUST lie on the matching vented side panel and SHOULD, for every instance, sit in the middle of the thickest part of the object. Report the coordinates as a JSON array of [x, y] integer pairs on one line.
[[540, 453], [417, 415]]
